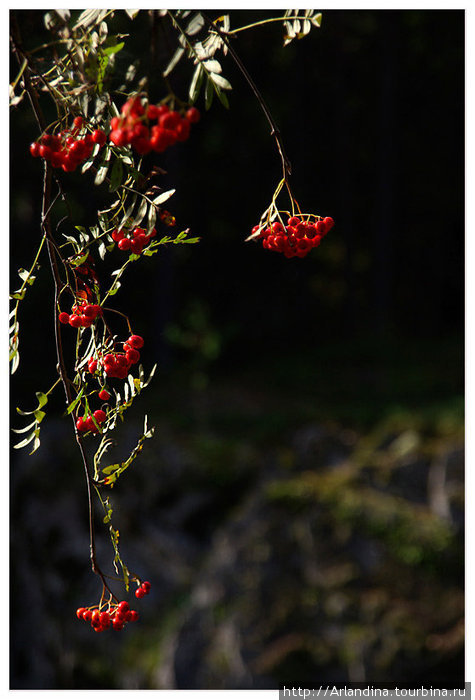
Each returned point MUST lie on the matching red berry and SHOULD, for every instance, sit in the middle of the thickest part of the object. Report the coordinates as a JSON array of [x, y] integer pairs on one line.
[[96, 618], [146, 585], [75, 321], [132, 616], [132, 356], [104, 619], [119, 137], [293, 221], [45, 151], [63, 317], [104, 395], [136, 341], [35, 149], [329, 223], [193, 115], [152, 112], [140, 593], [87, 615], [124, 244], [99, 136], [78, 122], [80, 612], [321, 228], [99, 415], [170, 120], [80, 425], [182, 130], [136, 247], [92, 366], [123, 607], [117, 235], [117, 624], [90, 425]]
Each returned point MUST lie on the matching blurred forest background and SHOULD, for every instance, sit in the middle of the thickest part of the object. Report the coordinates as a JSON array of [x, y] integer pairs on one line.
[[299, 511]]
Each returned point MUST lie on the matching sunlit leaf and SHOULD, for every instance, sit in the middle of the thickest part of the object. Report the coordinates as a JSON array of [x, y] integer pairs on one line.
[[195, 25], [163, 197], [175, 59], [220, 81], [196, 82]]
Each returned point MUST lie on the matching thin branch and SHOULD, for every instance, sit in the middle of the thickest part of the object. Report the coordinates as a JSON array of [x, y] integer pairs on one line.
[[275, 132], [47, 203]]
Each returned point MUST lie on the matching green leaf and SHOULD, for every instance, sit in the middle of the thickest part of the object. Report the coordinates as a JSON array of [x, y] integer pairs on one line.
[[152, 217], [222, 97], [195, 25], [209, 94], [103, 168], [113, 49], [175, 58], [42, 399], [196, 83], [25, 276], [163, 197], [213, 66], [116, 175], [111, 468], [74, 402], [39, 415], [316, 20], [220, 81], [25, 429], [25, 442]]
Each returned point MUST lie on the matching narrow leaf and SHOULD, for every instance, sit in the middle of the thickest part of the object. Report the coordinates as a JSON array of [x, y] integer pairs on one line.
[[221, 81], [195, 25], [175, 59], [163, 197], [116, 175], [196, 82]]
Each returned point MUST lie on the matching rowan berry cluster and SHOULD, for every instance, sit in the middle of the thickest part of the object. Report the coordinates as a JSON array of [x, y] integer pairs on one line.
[[143, 589], [70, 147], [82, 314], [117, 364], [91, 423], [134, 240], [115, 615], [150, 127], [297, 238]]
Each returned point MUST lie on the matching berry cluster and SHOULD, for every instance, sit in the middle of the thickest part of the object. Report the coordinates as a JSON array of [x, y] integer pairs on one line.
[[69, 148], [150, 127], [82, 314], [143, 589], [91, 423], [117, 364], [116, 616], [133, 241], [295, 239]]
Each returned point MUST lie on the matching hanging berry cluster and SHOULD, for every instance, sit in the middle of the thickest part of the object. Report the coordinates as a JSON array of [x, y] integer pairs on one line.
[[70, 147], [133, 241], [117, 364], [150, 127], [115, 615], [91, 423], [112, 614], [82, 314], [297, 238]]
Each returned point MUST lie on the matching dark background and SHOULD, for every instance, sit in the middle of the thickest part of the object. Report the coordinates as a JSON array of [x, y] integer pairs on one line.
[[299, 511]]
